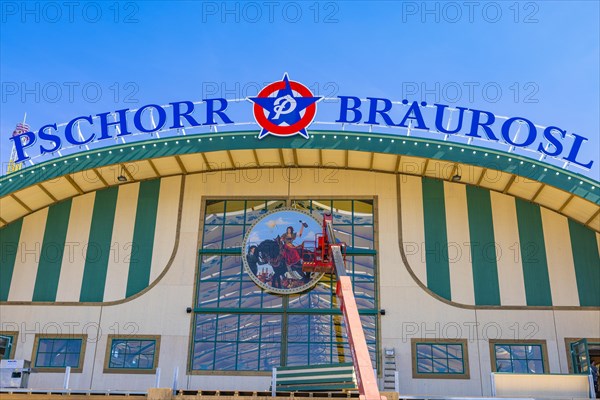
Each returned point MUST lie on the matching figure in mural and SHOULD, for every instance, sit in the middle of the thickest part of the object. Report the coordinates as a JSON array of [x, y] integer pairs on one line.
[[252, 258], [273, 256]]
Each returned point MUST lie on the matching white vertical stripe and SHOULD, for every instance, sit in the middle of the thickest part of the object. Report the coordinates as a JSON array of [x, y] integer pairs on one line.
[[508, 250], [28, 256], [166, 224], [561, 267], [73, 262], [459, 252], [413, 224], [121, 242]]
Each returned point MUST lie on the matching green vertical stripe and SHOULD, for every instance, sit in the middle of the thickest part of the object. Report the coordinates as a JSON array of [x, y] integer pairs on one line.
[[143, 237], [98, 246], [9, 244], [55, 234], [483, 247], [587, 263], [533, 254], [436, 237]]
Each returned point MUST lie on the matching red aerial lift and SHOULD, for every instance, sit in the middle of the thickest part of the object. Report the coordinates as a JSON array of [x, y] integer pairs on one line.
[[329, 256]]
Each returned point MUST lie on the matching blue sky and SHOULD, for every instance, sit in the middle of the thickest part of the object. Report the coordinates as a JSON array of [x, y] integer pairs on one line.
[[543, 56]]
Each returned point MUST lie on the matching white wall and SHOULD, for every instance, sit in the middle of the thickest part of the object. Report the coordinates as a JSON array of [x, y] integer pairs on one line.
[[410, 311]]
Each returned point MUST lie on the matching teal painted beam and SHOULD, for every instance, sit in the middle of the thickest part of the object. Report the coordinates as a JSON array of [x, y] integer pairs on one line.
[[533, 254], [143, 237], [9, 247], [483, 247], [99, 242], [51, 255], [587, 264], [436, 238]]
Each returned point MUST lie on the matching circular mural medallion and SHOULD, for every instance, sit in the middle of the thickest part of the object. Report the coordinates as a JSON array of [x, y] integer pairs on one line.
[[274, 248]]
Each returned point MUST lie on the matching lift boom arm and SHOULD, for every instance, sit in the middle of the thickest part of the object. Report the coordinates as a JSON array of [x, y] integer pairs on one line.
[[365, 376]]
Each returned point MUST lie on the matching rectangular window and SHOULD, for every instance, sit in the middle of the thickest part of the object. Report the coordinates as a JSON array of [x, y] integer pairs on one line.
[[240, 327], [440, 358], [8, 344], [132, 354], [53, 353], [519, 357]]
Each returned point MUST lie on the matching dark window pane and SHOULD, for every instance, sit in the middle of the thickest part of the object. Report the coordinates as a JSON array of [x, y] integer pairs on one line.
[[214, 212], [440, 365], [43, 359], [227, 328], [518, 352], [203, 355], [73, 346], [455, 351], [148, 347], [364, 266], [146, 361], [423, 350], [297, 354], [233, 236], [455, 366], [60, 346], [535, 367], [503, 366], [363, 237], [206, 326], [502, 352], [342, 212], [235, 212], [225, 355], [254, 210], [534, 352], [57, 360], [72, 360], [131, 360], [424, 366], [298, 328], [229, 294], [271, 328], [208, 294], [343, 233], [251, 295], [269, 356], [210, 267], [45, 345], [249, 328], [248, 354], [213, 237], [320, 353], [519, 366], [363, 211], [231, 268], [439, 351], [117, 358]]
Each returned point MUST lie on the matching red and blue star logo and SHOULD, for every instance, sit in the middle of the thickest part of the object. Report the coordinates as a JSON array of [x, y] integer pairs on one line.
[[284, 108]]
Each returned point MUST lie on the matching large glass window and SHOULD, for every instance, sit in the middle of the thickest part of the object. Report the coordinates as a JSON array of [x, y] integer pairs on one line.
[[519, 357], [440, 359], [58, 352], [240, 327], [8, 344], [132, 354]]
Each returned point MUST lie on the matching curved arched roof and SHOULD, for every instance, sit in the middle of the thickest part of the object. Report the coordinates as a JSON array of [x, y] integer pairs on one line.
[[38, 186]]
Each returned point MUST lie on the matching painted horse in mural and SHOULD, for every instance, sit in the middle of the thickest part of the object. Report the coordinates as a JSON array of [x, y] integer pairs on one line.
[[278, 255]]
